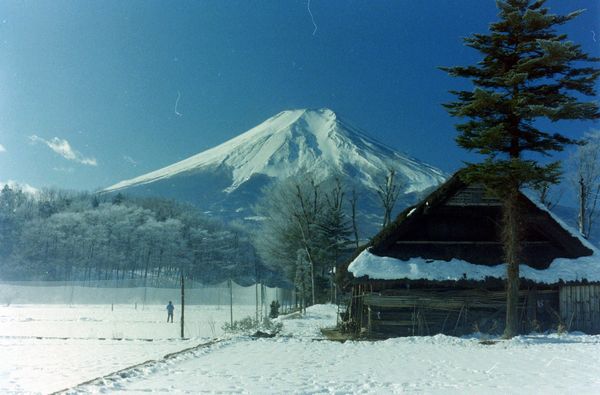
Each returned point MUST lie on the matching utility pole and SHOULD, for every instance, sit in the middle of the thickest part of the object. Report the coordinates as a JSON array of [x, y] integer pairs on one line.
[[182, 305], [231, 302]]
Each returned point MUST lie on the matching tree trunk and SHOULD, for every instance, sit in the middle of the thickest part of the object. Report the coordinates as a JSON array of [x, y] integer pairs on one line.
[[256, 298], [353, 202], [231, 302], [512, 249], [312, 281], [582, 205]]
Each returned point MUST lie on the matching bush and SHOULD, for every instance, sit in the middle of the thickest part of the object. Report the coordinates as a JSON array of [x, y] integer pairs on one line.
[[249, 324]]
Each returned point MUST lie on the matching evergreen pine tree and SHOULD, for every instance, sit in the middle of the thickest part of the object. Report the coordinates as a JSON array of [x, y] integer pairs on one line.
[[528, 72], [334, 233]]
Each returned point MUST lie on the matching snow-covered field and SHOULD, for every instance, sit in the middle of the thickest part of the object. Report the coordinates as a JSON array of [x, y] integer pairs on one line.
[[49, 348], [45, 348]]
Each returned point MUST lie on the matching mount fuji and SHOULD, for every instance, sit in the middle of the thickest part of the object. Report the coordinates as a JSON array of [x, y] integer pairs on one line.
[[227, 180]]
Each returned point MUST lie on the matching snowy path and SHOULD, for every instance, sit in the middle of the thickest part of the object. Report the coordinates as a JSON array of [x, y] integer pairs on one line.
[[440, 364]]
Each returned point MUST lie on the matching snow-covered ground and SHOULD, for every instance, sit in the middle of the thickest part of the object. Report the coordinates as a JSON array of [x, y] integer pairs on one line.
[[297, 361], [45, 348]]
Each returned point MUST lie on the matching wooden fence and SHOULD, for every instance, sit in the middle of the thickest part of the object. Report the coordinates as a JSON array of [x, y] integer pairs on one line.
[[580, 307]]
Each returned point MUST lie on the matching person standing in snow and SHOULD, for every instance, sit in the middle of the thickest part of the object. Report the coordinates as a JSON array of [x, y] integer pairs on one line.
[[170, 309]]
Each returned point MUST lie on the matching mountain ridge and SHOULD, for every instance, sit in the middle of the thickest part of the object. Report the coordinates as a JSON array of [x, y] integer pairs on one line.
[[228, 179], [264, 148]]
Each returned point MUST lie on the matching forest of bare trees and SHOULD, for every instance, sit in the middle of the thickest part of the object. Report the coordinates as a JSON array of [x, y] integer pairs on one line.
[[59, 235]]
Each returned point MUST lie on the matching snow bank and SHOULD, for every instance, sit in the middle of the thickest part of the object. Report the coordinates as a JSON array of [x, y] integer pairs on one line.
[[309, 325], [386, 268]]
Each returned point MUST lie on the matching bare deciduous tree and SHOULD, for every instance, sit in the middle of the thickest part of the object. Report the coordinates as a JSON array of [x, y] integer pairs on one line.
[[353, 203], [586, 162], [388, 193], [548, 195]]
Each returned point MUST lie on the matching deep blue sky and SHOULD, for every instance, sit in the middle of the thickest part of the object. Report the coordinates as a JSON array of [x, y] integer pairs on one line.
[[106, 77]]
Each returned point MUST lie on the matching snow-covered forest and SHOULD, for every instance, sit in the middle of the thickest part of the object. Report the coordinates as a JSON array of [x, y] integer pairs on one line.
[[306, 230], [59, 235]]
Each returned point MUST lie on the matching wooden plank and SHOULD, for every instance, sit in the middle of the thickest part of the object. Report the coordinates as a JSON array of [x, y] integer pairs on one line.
[[582, 307], [596, 308], [593, 308], [590, 312], [578, 308], [585, 311], [393, 323], [568, 298], [587, 320], [562, 302], [574, 307], [590, 307], [532, 305], [580, 312], [592, 297]]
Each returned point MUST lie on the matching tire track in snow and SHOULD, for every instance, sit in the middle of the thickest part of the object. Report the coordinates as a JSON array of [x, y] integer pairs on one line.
[[140, 369]]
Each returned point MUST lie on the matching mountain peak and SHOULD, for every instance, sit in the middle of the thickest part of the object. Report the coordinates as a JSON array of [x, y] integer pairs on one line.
[[296, 142]]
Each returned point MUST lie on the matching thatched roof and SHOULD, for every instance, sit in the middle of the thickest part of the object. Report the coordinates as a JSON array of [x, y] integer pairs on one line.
[[459, 221]]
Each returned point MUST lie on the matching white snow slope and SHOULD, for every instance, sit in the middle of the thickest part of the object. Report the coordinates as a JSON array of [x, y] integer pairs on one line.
[[296, 142]]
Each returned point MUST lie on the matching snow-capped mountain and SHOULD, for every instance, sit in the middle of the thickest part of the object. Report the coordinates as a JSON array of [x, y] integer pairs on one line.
[[229, 177]]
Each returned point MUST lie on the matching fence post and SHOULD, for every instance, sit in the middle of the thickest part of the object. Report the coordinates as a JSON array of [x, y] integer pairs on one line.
[[182, 305]]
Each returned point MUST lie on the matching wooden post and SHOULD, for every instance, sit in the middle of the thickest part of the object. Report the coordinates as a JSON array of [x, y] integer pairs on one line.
[[263, 301], [532, 305], [312, 279], [582, 202], [231, 302], [561, 303], [182, 305], [369, 322], [595, 309]]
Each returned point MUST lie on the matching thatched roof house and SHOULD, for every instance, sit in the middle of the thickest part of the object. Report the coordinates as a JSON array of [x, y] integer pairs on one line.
[[451, 241]]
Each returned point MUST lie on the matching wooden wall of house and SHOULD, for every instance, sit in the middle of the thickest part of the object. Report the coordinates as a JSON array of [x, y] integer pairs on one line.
[[580, 307], [408, 312], [452, 312]]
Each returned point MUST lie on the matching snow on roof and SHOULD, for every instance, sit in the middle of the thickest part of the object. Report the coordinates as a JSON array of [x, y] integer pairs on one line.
[[565, 269], [387, 268], [573, 232]]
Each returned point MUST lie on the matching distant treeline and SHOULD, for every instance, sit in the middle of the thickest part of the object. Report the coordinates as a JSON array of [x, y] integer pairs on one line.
[[59, 235]]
